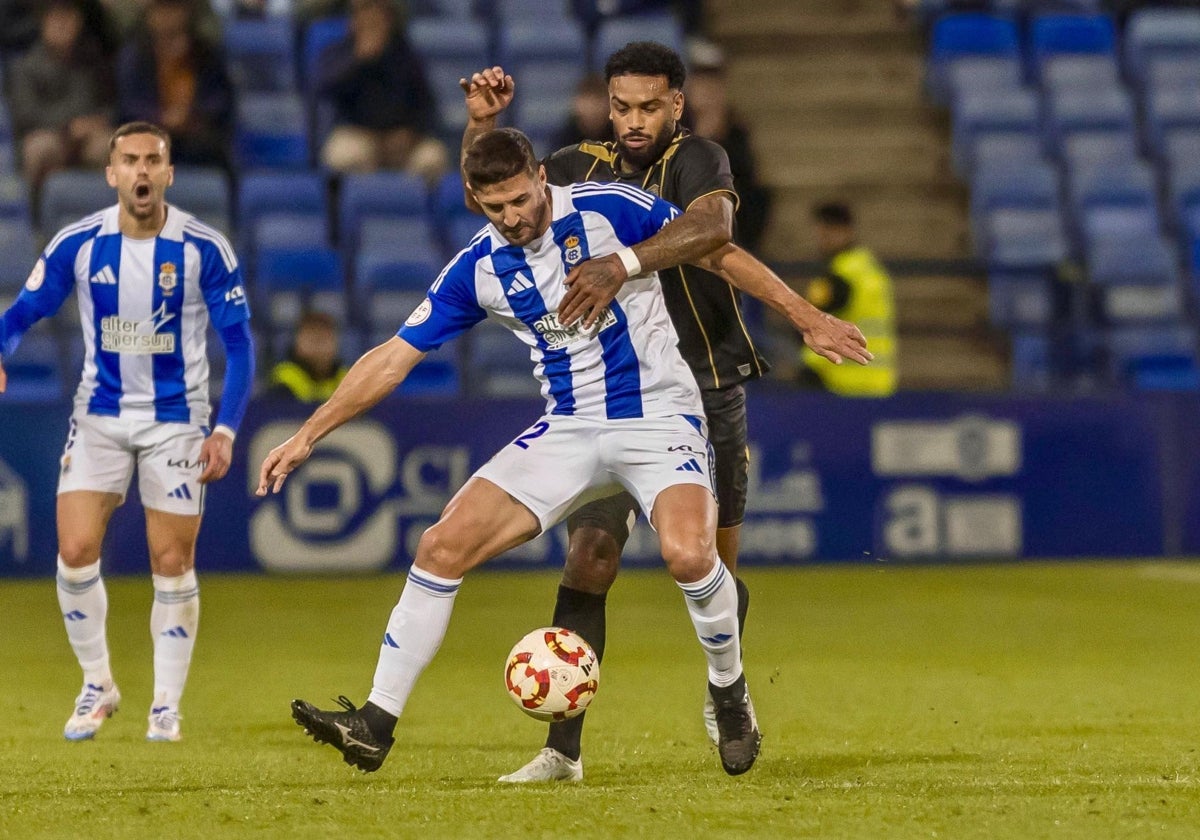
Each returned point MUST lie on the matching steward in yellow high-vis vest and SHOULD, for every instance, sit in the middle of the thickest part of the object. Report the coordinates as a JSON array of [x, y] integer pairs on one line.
[[312, 370], [855, 288]]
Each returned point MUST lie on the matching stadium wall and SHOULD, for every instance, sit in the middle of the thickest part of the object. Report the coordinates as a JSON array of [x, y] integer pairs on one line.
[[918, 477]]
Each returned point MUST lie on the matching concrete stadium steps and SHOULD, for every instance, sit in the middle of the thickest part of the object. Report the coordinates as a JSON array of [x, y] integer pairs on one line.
[[833, 91]]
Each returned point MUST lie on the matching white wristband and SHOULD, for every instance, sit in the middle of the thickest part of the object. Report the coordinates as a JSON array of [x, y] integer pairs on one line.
[[226, 431], [633, 266]]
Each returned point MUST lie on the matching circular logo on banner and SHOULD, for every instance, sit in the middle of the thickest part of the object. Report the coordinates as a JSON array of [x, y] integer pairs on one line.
[[420, 315], [37, 276]]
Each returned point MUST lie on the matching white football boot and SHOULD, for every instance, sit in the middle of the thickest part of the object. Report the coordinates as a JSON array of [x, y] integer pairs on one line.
[[94, 705], [710, 717], [164, 724], [549, 765]]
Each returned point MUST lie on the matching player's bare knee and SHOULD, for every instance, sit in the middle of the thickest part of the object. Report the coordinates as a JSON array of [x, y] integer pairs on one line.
[[172, 562], [593, 560], [688, 562], [440, 554], [76, 553]]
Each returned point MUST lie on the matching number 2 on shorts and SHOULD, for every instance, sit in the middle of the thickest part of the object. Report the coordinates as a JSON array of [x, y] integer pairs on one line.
[[539, 428]]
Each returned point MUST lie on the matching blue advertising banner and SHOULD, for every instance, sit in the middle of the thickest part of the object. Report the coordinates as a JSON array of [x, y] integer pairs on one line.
[[912, 478]]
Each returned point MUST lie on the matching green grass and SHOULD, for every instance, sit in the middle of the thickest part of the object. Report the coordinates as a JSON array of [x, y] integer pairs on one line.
[[1013, 701]]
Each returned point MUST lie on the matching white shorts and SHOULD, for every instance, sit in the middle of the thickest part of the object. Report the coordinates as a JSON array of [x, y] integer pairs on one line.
[[560, 464], [101, 453]]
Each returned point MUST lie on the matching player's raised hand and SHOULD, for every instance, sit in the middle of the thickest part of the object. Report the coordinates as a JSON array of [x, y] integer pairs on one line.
[[591, 286], [216, 454], [836, 340], [281, 461], [488, 92]]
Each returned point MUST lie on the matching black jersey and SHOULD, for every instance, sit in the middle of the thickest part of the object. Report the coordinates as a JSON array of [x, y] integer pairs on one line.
[[706, 310]]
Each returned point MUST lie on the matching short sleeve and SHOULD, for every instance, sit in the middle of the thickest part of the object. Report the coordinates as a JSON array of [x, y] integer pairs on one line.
[[450, 307], [701, 168]]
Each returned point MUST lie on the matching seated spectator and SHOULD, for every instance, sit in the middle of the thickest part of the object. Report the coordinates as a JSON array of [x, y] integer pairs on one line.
[[385, 112], [170, 74], [710, 115], [61, 96], [589, 114], [312, 369]]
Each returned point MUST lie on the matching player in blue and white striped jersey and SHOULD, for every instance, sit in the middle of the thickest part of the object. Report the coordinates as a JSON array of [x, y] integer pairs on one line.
[[148, 278], [622, 411]]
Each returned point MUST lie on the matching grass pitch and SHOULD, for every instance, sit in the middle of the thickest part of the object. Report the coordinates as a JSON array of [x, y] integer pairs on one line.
[[1013, 701]]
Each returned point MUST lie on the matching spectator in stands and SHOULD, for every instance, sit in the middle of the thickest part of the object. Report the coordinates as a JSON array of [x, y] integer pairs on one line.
[[173, 75], [385, 113], [61, 95], [312, 369], [855, 287], [710, 115], [589, 114]]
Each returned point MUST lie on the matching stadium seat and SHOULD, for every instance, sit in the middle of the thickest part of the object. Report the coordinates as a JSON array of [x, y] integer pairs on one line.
[[411, 235], [70, 194], [271, 131], [615, 32], [1021, 185], [1129, 348], [1005, 148], [1136, 279], [267, 191], [1085, 149], [966, 35], [378, 194], [1183, 187], [977, 113], [1020, 237], [1171, 72], [14, 198], [261, 54], [451, 49], [1032, 362], [292, 280], [1080, 72], [437, 375], [35, 370], [972, 74], [1152, 32], [1101, 222], [319, 35], [499, 365], [1168, 110], [1105, 182], [18, 244], [1025, 298], [203, 192], [290, 230], [460, 9], [1053, 34], [1071, 110]]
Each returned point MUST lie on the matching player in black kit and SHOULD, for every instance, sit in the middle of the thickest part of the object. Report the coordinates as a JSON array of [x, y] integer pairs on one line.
[[654, 152]]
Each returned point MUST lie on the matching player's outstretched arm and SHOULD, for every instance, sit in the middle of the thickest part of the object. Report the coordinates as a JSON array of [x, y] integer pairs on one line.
[[592, 285], [3, 378], [368, 381], [825, 334], [488, 93]]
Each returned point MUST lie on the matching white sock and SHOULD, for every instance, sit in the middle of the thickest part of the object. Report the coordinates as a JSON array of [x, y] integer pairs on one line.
[[414, 633], [712, 604], [174, 619], [84, 604]]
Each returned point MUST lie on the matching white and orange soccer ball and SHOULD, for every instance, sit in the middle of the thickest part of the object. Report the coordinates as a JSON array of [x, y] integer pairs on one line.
[[552, 674]]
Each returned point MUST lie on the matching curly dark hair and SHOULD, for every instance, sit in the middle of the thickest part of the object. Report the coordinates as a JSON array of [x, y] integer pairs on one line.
[[646, 58], [498, 155]]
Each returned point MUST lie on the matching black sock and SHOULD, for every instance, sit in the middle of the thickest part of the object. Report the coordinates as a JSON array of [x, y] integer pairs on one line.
[[583, 613], [382, 724], [743, 606], [730, 694]]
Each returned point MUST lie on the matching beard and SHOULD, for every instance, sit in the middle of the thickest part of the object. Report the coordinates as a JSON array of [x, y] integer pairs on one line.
[[652, 151]]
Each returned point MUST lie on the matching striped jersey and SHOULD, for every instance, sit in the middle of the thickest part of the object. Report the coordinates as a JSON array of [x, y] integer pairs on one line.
[[144, 307], [628, 364]]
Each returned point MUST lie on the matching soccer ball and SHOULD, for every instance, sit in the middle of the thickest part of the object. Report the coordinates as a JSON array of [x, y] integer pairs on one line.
[[552, 674]]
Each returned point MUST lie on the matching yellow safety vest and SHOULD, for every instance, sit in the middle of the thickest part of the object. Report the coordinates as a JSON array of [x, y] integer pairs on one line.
[[303, 387], [871, 308]]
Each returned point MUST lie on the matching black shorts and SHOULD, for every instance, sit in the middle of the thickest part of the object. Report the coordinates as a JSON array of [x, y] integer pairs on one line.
[[725, 409]]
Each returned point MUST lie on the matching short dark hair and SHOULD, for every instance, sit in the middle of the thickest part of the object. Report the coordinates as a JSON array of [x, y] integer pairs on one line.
[[498, 155], [139, 128], [646, 58], [834, 213]]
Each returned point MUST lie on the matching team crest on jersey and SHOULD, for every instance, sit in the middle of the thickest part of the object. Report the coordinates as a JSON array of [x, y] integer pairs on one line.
[[37, 276], [167, 278], [572, 253], [420, 315]]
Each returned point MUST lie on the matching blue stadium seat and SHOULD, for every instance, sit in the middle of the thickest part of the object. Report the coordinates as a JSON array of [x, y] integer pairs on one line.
[[1021, 299], [70, 194], [1020, 237], [552, 12], [615, 32], [290, 230], [18, 244], [1183, 187], [203, 192], [1033, 186], [1152, 32], [1131, 348], [1055, 34], [1070, 110], [1076, 72], [412, 235], [461, 231], [1100, 222], [385, 309], [271, 131], [460, 9], [1171, 72], [1032, 362], [451, 50], [1086, 149], [962, 36], [8, 154], [1006, 148], [1168, 110], [261, 54], [14, 198], [35, 370], [982, 74], [1103, 182], [318, 36], [1136, 279], [499, 364], [272, 191], [378, 194], [437, 375], [1015, 110], [292, 280]]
